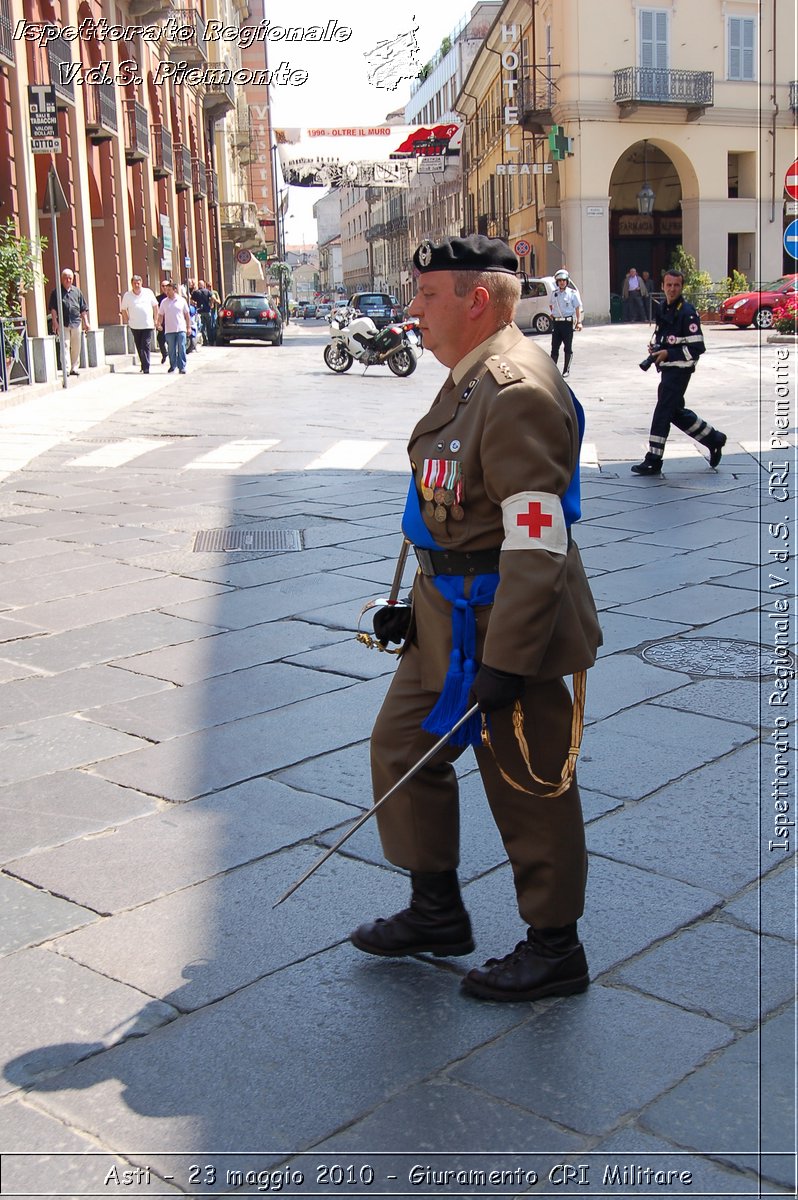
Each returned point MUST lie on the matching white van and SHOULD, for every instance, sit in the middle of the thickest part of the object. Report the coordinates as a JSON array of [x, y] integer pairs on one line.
[[533, 314]]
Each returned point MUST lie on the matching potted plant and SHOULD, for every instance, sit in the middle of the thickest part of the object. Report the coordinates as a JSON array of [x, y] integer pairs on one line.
[[785, 317], [19, 272]]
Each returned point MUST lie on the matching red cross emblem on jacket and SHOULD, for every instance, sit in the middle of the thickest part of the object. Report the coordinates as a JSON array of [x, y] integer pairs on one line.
[[535, 519]]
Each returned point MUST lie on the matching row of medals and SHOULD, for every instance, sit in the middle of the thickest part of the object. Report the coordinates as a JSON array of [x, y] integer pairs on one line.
[[443, 503]]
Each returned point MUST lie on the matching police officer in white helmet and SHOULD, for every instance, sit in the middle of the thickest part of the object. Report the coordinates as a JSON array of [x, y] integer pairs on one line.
[[566, 316]]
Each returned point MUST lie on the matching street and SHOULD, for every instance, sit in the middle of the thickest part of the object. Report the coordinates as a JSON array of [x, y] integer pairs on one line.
[[185, 729]]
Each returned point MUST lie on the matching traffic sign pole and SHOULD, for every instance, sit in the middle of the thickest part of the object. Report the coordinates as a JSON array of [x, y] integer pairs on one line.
[[51, 178]]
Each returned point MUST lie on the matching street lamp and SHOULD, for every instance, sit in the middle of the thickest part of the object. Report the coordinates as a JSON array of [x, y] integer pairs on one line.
[[645, 197]]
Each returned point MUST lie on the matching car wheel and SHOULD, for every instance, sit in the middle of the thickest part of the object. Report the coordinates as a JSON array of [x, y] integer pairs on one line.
[[763, 319], [403, 363], [542, 323], [337, 358]]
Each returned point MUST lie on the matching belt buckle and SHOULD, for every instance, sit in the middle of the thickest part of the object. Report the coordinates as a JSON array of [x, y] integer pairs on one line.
[[424, 558]]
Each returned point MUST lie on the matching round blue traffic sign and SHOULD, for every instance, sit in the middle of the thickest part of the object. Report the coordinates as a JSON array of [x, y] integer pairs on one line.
[[791, 239]]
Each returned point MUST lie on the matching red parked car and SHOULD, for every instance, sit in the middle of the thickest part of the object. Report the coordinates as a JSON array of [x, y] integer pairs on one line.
[[756, 307]]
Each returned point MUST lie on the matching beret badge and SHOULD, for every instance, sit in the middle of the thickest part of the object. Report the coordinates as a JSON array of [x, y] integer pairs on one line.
[[425, 254]]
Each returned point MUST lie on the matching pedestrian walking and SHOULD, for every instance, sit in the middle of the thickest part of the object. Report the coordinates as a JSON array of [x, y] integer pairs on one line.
[[76, 318], [175, 320], [501, 611], [139, 309], [675, 349], [634, 293], [202, 297], [565, 304], [159, 333]]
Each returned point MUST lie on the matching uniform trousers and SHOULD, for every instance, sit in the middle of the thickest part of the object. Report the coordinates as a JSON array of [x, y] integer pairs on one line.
[[420, 825], [562, 334], [670, 410]]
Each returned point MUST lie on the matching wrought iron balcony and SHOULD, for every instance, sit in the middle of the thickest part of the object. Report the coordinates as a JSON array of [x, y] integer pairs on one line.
[[100, 103], [240, 220], [162, 159], [219, 98], [137, 132], [794, 96], [6, 33], [182, 156], [199, 178], [534, 98], [195, 50], [213, 189], [649, 85], [58, 52], [153, 9]]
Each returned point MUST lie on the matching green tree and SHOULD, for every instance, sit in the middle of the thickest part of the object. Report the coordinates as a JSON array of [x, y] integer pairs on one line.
[[19, 272]]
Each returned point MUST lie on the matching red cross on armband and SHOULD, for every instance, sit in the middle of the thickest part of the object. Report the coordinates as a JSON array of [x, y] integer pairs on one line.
[[535, 519]]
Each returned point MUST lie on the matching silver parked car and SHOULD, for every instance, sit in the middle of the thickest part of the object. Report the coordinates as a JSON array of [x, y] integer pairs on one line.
[[533, 314]]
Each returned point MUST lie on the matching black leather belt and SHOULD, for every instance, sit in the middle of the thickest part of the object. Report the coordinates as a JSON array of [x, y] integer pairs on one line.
[[569, 319], [450, 562]]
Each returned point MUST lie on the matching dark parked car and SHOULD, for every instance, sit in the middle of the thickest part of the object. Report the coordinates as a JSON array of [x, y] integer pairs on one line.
[[310, 311], [249, 316], [376, 305]]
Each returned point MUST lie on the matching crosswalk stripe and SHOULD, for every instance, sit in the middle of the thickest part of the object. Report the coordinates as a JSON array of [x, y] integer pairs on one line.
[[346, 456], [230, 455], [119, 453], [588, 455]]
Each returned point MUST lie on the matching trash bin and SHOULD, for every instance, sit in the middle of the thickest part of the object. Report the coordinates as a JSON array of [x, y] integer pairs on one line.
[[616, 309]]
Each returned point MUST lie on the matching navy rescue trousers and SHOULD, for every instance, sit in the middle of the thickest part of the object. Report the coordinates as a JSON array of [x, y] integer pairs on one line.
[[670, 410]]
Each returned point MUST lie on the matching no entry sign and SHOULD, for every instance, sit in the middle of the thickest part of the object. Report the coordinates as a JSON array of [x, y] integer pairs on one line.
[[791, 181]]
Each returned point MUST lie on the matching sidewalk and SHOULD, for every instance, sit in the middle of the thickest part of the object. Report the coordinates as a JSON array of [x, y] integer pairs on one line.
[[183, 734]]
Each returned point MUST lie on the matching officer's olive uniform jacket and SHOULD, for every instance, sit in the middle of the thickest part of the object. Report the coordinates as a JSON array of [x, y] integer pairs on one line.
[[517, 432]]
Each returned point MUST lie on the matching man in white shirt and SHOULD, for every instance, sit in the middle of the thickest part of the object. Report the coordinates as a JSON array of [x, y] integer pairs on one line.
[[175, 320], [566, 315], [139, 309]]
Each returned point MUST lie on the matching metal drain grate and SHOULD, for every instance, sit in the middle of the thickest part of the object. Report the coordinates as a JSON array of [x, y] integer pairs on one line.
[[716, 658], [208, 541]]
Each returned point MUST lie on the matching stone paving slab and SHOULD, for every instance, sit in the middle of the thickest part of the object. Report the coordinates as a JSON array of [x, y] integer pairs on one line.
[[106, 641], [74, 612], [624, 632], [741, 626], [29, 916], [185, 768], [587, 1062], [347, 658], [284, 598], [673, 831], [663, 512], [770, 906], [590, 534], [715, 534], [72, 691], [632, 1147], [729, 972], [625, 555], [704, 602], [755, 1077], [56, 744], [286, 565], [79, 581], [329, 1019], [45, 811], [58, 1012], [621, 681], [732, 699], [12, 629], [216, 701], [661, 750], [11, 671], [39, 556], [233, 651], [624, 587], [180, 847]]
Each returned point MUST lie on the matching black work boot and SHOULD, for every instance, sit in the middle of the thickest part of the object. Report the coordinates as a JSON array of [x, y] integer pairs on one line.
[[567, 366], [651, 465], [716, 449], [436, 921], [551, 962]]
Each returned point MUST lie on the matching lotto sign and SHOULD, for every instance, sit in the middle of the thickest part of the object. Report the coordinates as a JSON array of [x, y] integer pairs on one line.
[[43, 115], [521, 248], [791, 182], [791, 239]]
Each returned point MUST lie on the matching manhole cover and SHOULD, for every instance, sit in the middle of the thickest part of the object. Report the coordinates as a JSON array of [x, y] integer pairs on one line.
[[712, 657], [209, 540]]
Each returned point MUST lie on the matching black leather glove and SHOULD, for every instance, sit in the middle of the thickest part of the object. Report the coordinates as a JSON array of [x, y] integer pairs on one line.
[[391, 623], [494, 689]]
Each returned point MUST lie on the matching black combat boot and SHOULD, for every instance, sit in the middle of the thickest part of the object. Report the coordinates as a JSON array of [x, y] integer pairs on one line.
[[436, 921], [716, 449], [551, 962], [567, 367], [651, 465]]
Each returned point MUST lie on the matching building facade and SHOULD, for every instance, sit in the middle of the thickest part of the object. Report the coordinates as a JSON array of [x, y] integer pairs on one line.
[[602, 136]]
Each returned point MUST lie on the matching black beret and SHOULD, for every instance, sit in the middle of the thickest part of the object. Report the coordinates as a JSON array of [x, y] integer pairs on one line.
[[475, 253]]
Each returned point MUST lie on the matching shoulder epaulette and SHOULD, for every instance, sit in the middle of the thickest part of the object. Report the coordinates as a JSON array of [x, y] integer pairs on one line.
[[504, 370]]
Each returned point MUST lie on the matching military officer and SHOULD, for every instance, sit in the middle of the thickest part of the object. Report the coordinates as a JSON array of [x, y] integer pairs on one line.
[[501, 611], [675, 349]]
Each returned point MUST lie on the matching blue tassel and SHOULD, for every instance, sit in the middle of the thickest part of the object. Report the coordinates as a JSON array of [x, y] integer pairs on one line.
[[448, 707]]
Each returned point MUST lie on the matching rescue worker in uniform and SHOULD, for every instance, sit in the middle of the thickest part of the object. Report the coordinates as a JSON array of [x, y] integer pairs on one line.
[[675, 349], [501, 610], [566, 316]]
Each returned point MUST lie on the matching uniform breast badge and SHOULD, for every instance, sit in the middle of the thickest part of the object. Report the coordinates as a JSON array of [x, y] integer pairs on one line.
[[442, 488]]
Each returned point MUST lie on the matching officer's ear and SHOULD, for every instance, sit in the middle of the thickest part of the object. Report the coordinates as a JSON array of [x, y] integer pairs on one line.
[[480, 301]]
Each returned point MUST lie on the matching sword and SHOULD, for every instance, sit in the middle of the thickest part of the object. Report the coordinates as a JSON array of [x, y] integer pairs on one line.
[[365, 638], [370, 813]]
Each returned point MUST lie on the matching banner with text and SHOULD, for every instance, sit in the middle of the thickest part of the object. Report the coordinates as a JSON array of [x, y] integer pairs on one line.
[[362, 156]]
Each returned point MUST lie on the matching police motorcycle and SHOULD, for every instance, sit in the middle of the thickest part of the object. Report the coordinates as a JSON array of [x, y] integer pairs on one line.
[[355, 338]]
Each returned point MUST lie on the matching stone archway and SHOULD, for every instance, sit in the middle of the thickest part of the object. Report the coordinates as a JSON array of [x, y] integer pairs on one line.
[[647, 242]]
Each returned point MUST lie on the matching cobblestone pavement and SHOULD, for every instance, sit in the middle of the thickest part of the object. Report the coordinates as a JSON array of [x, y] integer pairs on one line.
[[184, 731]]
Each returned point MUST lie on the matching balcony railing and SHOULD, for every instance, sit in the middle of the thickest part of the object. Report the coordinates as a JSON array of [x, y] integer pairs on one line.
[[182, 167], [794, 96], [219, 99], [100, 103], [199, 178], [6, 33], [137, 132], [534, 98], [162, 159], [650, 85], [213, 189], [58, 52], [241, 218], [195, 50]]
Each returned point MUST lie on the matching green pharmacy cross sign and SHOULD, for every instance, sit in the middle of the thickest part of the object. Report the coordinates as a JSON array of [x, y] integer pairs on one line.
[[559, 144]]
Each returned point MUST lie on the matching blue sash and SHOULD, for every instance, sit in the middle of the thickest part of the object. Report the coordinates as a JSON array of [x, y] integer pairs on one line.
[[463, 666]]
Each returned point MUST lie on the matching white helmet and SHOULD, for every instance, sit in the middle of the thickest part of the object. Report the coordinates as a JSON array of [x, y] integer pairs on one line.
[[560, 274]]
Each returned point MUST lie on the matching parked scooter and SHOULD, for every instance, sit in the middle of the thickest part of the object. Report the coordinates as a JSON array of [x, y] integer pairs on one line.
[[355, 338]]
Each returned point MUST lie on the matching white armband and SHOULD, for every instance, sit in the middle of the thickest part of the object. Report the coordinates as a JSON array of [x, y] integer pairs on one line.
[[534, 521]]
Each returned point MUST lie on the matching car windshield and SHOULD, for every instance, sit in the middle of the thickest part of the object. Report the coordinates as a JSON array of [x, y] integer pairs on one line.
[[239, 304], [373, 300]]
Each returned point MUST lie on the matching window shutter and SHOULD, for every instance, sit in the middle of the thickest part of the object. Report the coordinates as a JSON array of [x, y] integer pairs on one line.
[[654, 39], [747, 48], [646, 38], [735, 47]]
